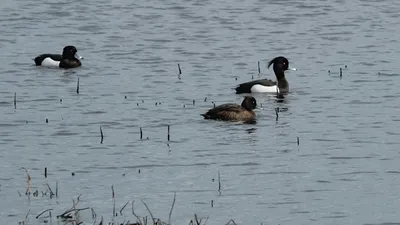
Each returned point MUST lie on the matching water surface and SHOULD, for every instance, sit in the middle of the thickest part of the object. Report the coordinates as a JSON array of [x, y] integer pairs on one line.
[[344, 170]]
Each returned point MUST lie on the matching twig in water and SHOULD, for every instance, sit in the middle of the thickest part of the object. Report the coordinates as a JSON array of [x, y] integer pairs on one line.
[[113, 197], [277, 113], [151, 214], [180, 71], [45, 172], [298, 141], [15, 100], [123, 207], [56, 189], [37, 217], [219, 182], [26, 217], [170, 212], [259, 70], [194, 102], [141, 134], [19, 193], [77, 87], [101, 135], [341, 73], [168, 133]]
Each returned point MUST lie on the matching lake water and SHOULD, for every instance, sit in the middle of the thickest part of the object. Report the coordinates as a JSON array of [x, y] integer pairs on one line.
[[345, 169]]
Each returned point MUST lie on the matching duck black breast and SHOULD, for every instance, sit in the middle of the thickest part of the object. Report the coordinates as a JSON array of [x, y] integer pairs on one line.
[[68, 59], [281, 85]]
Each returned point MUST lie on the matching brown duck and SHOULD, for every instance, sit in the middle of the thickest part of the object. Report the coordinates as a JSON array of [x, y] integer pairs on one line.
[[233, 112]]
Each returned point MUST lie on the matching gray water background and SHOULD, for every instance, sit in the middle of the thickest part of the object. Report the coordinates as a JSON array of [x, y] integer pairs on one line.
[[344, 171]]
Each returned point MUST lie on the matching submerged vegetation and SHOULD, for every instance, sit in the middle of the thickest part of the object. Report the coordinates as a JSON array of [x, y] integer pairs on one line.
[[73, 214]]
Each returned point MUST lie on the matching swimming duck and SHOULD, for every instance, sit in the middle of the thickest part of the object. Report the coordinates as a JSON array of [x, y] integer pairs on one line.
[[233, 112], [68, 59], [281, 64]]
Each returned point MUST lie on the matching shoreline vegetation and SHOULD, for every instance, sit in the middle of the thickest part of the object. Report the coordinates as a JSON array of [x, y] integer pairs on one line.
[[72, 215]]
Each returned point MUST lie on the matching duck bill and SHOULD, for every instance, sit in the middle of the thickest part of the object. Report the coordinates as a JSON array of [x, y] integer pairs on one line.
[[78, 56]]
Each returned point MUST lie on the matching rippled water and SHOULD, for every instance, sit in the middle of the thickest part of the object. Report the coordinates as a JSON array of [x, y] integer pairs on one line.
[[344, 170]]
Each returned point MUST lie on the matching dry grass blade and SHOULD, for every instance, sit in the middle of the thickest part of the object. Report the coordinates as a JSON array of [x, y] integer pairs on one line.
[[145, 220], [74, 208], [231, 220], [172, 207], [51, 192], [133, 212], [94, 216], [66, 215], [28, 190], [151, 214], [206, 220], [219, 182], [101, 136], [123, 207], [198, 222], [113, 197], [26, 217], [77, 87], [37, 217]]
